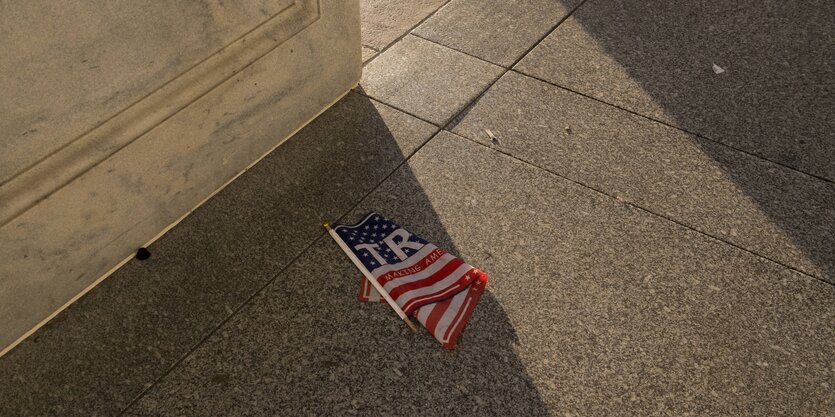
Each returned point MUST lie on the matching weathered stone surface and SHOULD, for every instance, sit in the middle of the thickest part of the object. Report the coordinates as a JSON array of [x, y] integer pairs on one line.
[[69, 66], [595, 306], [116, 192]]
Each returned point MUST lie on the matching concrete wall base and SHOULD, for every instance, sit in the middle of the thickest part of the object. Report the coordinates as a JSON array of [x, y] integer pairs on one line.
[[74, 209]]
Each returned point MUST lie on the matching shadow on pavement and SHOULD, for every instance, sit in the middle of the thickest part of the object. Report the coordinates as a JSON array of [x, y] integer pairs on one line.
[[303, 344], [774, 99], [306, 345]]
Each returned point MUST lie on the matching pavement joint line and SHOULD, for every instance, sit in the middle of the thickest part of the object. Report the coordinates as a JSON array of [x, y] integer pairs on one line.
[[629, 203], [269, 282], [524, 74], [478, 97], [362, 93], [462, 52], [406, 159], [214, 329], [406, 33], [466, 108]]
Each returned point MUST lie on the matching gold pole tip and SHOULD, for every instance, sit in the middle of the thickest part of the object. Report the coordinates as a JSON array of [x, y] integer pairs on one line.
[[327, 226]]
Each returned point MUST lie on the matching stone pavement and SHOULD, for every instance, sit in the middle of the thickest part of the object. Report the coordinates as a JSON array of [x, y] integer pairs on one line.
[[658, 236]]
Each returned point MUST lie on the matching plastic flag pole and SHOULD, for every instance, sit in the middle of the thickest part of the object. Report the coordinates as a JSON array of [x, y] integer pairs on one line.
[[369, 277]]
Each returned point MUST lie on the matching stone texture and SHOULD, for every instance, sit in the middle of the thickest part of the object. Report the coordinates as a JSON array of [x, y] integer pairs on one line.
[[426, 79], [383, 21], [320, 353], [71, 236], [498, 31], [656, 58], [764, 207], [102, 57], [97, 355], [159, 105], [594, 308]]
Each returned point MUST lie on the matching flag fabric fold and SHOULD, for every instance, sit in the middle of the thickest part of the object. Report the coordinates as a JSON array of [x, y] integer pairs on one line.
[[437, 288]]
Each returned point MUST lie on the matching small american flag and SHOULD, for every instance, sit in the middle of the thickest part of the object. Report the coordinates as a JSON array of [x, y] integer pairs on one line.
[[437, 288]]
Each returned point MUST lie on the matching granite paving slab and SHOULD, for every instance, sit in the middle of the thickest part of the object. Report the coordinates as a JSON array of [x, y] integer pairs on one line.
[[657, 58], [426, 79], [101, 352], [498, 31], [594, 308], [384, 21], [764, 207]]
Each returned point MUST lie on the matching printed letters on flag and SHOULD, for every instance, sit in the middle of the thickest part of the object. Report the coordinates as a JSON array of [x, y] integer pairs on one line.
[[437, 288]]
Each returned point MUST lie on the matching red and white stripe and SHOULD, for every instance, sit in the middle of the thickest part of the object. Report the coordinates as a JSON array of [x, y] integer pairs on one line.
[[437, 288], [446, 319]]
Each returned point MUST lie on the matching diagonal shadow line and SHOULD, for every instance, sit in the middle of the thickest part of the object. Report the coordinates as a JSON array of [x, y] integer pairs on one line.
[[82, 309], [679, 128], [460, 115], [488, 304], [752, 113], [163, 85], [644, 209], [454, 119], [270, 281], [406, 33]]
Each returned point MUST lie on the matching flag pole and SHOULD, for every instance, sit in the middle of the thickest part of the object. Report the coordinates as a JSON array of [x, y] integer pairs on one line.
[[369, 277]]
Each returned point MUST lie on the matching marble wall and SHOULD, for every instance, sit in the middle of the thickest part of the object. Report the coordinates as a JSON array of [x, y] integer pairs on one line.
[[119, 117]]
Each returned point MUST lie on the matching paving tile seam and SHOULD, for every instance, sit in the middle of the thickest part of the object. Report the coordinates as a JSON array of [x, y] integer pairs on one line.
[[648, 211], [406, 33], [214, 329], [269, 282], [487, 88], [760, 157], [377, 99], [462, 52], [548, 33], [405, 160]]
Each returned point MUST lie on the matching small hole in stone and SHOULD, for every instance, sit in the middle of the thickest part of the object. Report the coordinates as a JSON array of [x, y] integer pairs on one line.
[[143, 254]]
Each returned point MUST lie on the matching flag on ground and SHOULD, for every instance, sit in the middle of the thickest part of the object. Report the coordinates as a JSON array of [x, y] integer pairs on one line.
[[437, 288]]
